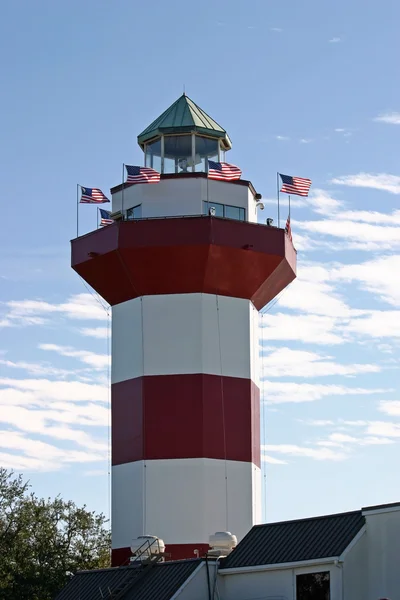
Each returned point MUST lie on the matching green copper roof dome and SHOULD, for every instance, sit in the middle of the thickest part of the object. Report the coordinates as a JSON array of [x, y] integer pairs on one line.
[[184, 116]]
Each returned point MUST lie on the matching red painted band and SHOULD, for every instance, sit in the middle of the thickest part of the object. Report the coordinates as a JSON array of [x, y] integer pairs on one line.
[[183, 416], [186, 255], [120, 556]]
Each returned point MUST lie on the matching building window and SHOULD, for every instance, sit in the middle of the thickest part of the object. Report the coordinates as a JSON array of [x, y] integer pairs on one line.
[[224, 210], [134, 213], [313, 586]]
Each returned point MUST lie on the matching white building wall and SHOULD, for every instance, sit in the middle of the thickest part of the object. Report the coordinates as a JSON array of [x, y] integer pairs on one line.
[[355, 581], [274, 584], [184, 196], [196, 586], [383, 567], [185, 333], [147, 499]]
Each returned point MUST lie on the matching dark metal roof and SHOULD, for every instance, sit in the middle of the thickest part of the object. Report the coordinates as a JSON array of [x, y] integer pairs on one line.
[[160, 582], [293, 541]]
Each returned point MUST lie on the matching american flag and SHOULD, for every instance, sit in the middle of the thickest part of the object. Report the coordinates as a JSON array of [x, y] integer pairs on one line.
[[223, 171], [288, 229], [92, 196], [295, 185], [105, 218], [141, 175]]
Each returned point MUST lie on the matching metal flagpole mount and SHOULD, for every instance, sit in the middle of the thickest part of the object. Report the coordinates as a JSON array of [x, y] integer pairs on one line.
[[77, 209], [123, 186], [277, 191]]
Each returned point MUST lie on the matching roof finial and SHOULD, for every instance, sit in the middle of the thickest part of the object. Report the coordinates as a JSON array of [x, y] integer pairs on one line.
[[184, 90]]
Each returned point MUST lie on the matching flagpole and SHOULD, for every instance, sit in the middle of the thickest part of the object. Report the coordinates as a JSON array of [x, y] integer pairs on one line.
[[123, 185], [277, 190], [77, 209]]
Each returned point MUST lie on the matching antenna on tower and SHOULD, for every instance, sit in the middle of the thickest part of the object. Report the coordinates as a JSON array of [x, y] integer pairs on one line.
[[184, 89]]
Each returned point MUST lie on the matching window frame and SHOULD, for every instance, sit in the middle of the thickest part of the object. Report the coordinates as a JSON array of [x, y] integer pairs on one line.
[[131, 211], [313, 571], [208, 204]]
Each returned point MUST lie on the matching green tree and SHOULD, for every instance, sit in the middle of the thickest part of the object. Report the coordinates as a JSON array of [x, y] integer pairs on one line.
[[44, 542]]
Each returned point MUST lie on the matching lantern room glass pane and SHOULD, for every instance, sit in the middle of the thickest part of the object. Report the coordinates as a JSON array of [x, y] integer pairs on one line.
[[178, 154], [206, 149], [153, 155], [221, 154]]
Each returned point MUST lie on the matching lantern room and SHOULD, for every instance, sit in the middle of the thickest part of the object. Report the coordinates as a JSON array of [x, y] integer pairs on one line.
[[183, 139]]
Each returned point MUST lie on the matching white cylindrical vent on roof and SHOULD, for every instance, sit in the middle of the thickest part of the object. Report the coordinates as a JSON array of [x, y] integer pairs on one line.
[[222, 542]]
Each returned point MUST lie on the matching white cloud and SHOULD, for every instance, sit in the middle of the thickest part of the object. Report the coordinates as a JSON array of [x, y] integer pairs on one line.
[[282, 138], [377, 276], [96, 332], [380, 181], [305, 141], [322, 202], [314, 329], [276, 29], [285, 362], [390, 407], [343, 439], [384, 428], [393, 118], [97, 361], [335, 40], [363, 235], [278, 392], [33, 312], [376, 324], [36, 368], [306, 452], [64, 391], [272, 461], [51, 457], [369, 216]]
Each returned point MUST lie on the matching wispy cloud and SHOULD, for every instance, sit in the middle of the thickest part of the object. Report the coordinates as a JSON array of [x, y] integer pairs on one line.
[[285, 362], [285, 392], [282, 138], [390, 407], [335, 40], [306, 452], [97, 361], [19, 313], [380, 181], [276, 29], [272, 461], [392, 118], [96, 332]]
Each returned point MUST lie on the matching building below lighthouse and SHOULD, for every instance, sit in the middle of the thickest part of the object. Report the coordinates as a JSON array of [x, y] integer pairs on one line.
[[188, 268]]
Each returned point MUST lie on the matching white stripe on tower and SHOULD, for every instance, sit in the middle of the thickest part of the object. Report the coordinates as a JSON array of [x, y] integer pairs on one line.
[[182, 333]]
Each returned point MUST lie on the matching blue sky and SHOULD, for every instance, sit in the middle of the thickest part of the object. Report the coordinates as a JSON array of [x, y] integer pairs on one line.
[[308, 89]]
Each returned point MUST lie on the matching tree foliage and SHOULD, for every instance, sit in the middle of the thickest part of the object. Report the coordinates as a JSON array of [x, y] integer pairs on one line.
[[44, 542]]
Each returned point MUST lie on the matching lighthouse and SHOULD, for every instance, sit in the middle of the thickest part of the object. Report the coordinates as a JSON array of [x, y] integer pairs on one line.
[[186, 268]]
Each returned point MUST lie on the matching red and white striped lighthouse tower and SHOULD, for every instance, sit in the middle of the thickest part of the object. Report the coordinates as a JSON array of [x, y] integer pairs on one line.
[[186, 268]]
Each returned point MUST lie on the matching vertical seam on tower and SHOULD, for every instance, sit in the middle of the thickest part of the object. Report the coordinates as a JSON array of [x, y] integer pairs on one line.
[[223, 411], [144, 478], [263, 408]]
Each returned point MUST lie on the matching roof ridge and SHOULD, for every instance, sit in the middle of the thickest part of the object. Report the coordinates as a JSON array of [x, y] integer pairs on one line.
[[319, 517]]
